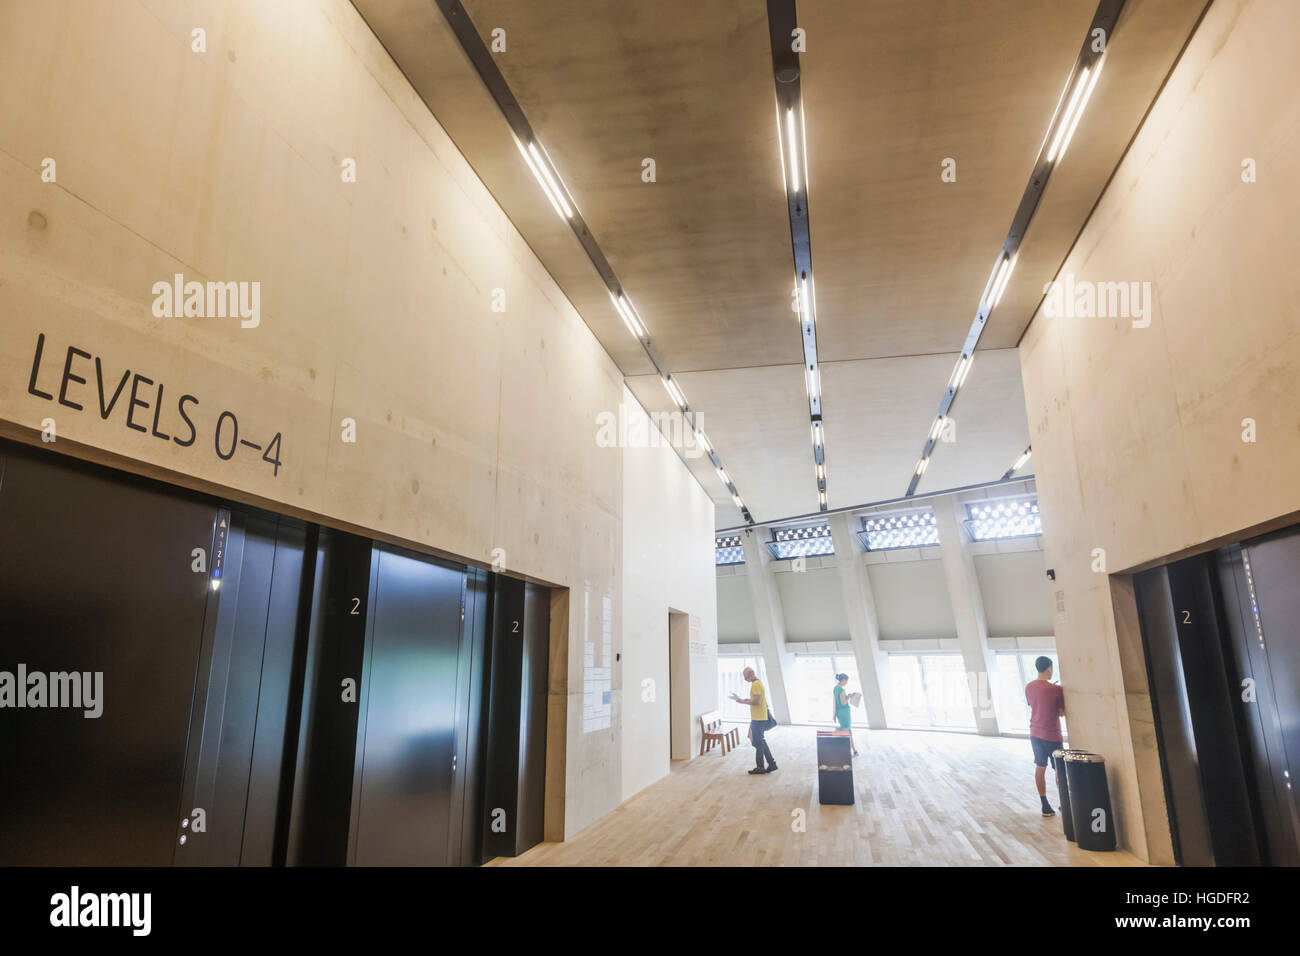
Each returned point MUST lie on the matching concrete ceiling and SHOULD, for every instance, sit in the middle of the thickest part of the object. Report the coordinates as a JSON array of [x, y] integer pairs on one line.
[[891, 88]]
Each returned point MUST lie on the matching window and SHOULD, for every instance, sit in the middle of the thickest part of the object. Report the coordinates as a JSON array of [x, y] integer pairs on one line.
[[728, 550], [811, 680], [899, 529], [997, 518], [801, 541], [928, 690], [1015, 669], [731, 679]]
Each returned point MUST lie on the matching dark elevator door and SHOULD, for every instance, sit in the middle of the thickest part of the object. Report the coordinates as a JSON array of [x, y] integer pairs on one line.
[[402, 804], [96, 577]]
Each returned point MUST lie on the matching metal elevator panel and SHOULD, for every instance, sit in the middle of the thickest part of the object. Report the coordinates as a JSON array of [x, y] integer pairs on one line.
[[512, 815], [313, 827], [533, 705], [276, 692], [1171, 707], [1223, 648], [407, 733], [473, 695], [238, 743], [96, 576], [1256, 703], [1273, 562]]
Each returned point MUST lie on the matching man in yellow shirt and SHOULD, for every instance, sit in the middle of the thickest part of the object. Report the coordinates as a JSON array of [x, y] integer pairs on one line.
[[759, 715]]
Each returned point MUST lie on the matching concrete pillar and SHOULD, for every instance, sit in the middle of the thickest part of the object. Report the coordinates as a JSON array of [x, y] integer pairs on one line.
[[860, 611], [769, 616], [967, 609]]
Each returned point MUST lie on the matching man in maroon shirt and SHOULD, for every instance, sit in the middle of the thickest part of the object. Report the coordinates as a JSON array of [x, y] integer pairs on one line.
[[1046, 705]]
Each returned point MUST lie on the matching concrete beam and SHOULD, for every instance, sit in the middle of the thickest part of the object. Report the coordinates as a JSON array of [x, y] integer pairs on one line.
[[860, 612], [769, 617], [967, 610]]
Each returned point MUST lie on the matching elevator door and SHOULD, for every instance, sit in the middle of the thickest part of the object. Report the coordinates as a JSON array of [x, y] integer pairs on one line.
[[1222, 652], [1268, 651], [402, 797], [96, 577], [235, 770]]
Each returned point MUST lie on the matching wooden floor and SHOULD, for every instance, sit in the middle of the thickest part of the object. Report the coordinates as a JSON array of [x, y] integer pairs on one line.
[[923, 799]]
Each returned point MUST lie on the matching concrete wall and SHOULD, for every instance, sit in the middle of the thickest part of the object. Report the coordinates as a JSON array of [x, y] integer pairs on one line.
[[1017, 594], [667, 566], [475, 429], [1137, 431], [911, 599], [814, 607], [910, 594], [736, 623]]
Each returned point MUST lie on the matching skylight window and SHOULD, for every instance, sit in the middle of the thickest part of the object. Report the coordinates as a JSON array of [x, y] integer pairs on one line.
[[998, 518], [802, 541], [729, 550], [914, 528]]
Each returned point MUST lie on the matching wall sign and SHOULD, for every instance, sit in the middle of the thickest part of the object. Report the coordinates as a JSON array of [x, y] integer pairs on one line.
[[86, 384]]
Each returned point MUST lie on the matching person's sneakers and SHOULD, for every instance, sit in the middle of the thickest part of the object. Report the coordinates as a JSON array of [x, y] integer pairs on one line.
[[770, 769], [1047, 809], [758, 770], [855, 753]]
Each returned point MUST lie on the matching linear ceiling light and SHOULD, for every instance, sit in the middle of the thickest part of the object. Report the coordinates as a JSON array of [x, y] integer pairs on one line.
[[970, 360], [675, 393], [793, 150], [1096, 72], [1083, 88], [998, 281], [551, 181], [814, 383], [625, 310], [955, 381], [1069, 110], [1020, 462], [541, 181], [1079, 86]]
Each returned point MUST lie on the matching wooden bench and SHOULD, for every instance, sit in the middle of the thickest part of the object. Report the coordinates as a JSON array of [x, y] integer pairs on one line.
[[712, 732]]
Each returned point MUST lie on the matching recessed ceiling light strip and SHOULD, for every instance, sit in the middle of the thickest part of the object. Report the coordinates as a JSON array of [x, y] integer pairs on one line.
[[792, 141], [1069, 108], [1020, 462], [552, 186]]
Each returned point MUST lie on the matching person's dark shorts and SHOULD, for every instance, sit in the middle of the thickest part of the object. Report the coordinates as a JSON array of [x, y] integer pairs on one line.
[[1043, 750]]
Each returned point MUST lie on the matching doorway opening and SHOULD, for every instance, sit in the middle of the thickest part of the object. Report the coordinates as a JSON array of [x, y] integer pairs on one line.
[[679, 685]]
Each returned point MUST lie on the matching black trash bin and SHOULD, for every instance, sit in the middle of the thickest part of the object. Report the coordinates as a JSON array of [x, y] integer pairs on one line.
[[1063, 790], [834, 767], [1094, 824]]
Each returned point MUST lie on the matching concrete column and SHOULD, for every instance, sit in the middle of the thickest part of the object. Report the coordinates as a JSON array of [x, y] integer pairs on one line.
[[967, 609], [769, 616], [860, 611]]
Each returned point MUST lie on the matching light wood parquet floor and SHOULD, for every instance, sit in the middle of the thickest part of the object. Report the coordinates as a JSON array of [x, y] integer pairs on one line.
[[922, 799]]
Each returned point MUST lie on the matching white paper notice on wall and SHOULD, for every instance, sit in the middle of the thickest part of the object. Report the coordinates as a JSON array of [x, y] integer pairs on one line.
[[597, 683], [699, 648]]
